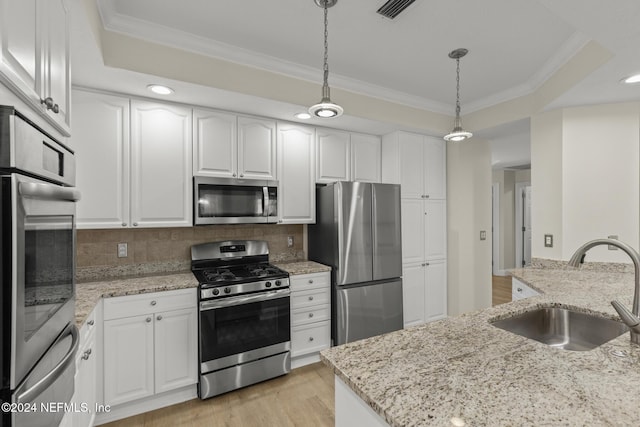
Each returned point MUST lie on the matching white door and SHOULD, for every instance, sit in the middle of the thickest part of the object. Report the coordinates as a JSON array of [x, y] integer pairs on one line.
[[176, 349], [366, 152], [215, 144], [413, 236], [495, 228], [526, 233], [256, 148], [333, 153], [435, 290], [413, 294], [435, 220], [411, 165], [435, 164]]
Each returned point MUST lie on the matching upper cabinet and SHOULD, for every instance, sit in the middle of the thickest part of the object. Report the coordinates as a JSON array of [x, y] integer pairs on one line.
[[133, 162], [343, 156], [34, 56], [296, 172], [230, 146], [417, 162]]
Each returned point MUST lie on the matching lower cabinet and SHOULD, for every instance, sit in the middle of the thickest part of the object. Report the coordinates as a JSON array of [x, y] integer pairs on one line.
[[310, 316], [424, 287], [521, 291], [150, 344]]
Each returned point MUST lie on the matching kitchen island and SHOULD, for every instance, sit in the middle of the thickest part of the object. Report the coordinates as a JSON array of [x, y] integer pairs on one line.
[[464, 371]]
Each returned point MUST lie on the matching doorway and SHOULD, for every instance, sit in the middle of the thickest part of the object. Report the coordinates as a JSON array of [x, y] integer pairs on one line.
[[523, 224]]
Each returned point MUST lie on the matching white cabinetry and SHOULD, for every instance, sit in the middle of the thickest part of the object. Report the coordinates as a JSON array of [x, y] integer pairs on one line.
[[34, 40], [521, 291], [230, 146], [296, 174], [310, 316], [341, 156], [133, 162], [150, 344], [417, 162]]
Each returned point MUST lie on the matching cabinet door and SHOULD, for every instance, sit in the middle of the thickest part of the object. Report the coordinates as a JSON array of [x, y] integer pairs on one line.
[[411, 165], [161, 178], [332, 156], [176, 349], [86, 384], [413, 236], [296, 174], [413, 294], [57, 71], [128, 359], [366, 158], [435, 168], [216, 144], [101, 141], [435, 235], [435, 290], [256, 148], [21, 62]]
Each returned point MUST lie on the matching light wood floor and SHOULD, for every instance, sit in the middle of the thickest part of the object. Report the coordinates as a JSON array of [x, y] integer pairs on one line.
[[302, 398], [501, 289]]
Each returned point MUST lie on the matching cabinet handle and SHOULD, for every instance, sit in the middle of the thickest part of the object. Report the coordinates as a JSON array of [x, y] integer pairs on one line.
[[86, 354], [426, 196], [519, 289], [426, 264], [124, 224], [310, 314], [135, 224], [241, 175], [310, 339], [159, 317], [233, 175], [310, 280], [310, 298], [148, 319], [280, 221], [153, 302], [91, 322], [50, 105]]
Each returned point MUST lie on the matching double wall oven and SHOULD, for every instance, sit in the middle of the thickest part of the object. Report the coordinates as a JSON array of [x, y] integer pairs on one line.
[[37, 265], [244, 325]]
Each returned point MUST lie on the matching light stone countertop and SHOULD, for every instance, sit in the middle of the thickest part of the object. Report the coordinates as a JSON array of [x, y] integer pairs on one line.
[[464, 367], [88, 294]]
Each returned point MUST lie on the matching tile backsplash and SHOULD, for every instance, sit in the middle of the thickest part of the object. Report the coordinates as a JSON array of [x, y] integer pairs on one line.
[[161, 250]]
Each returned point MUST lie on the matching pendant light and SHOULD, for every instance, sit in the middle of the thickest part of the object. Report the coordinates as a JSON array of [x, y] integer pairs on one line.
[[457, 134], [325, 108]]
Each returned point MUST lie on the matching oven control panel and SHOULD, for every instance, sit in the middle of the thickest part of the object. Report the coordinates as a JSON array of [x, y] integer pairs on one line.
[[221, 290]]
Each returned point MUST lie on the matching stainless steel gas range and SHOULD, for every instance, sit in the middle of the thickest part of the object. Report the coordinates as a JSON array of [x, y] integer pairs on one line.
[[244, 322]]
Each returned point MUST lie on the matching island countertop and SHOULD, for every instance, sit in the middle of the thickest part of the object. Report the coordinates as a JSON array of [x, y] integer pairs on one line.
[[463, 367]]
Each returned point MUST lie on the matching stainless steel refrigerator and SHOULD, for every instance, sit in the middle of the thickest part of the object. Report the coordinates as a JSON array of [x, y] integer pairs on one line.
[[357, 232]]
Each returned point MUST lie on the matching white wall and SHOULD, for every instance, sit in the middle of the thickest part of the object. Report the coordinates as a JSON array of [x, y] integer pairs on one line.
[[585, 176], [507, 180], [469, 212]]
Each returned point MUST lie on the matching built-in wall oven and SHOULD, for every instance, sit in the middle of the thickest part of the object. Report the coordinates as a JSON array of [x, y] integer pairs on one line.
[[244, 325], [37, 266]]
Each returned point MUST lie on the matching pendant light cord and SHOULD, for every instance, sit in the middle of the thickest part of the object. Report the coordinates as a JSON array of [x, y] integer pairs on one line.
[[325, 85], [457, 88]]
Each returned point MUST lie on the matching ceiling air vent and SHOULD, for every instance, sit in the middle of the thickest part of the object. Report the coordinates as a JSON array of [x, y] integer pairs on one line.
[[393, 8]]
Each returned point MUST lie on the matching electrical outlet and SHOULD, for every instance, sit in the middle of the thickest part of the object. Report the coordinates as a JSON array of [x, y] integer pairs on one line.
[[122, 250], [289, 241], [548, 240], [611, 247], [483, 235]]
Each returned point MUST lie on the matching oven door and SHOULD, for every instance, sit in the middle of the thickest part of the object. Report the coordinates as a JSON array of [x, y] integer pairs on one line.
[[238, 329], [38, 264]]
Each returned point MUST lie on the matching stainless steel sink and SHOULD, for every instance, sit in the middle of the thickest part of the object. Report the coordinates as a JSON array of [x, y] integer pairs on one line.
[[562, 328]]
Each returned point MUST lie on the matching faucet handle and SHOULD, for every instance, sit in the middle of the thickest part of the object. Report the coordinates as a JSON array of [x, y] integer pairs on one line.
[[630, 319]]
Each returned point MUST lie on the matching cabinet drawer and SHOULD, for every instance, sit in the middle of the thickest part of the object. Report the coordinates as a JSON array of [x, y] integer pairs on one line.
[[91, 323], [311, 315], [136, 305], [303, 282], [310, 298], [310, 338]]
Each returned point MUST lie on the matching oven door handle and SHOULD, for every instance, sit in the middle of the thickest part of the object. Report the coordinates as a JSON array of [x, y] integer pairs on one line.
[[35, 390], [244, 299], [48, 191]]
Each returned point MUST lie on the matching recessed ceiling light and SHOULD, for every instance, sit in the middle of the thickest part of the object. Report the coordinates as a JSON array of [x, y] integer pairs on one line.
[[160, 90], [303, 116], [632, 79]]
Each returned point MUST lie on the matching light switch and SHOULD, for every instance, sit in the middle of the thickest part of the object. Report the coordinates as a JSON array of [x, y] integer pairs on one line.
[[548, 240], [483, 235]]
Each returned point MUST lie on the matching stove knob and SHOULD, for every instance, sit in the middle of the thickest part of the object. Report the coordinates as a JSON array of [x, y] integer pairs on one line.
[[216, 291], [278, 283], [268, 284], [227, 290]]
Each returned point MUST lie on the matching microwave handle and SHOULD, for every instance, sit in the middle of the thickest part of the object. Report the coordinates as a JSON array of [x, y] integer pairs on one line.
[[265, 201], [48, 191]]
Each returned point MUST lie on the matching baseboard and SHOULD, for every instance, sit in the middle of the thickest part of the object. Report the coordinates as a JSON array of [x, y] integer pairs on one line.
[[501, 273], [148, 404]]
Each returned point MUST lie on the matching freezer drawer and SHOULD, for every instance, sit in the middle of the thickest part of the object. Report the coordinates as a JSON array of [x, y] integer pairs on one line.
[[366, 310]]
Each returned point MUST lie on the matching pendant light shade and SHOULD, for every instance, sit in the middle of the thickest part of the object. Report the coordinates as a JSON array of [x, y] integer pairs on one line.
[[458, 133], [325, 108]]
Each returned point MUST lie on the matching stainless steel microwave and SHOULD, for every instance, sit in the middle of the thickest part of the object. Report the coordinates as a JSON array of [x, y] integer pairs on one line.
[[234, 201]]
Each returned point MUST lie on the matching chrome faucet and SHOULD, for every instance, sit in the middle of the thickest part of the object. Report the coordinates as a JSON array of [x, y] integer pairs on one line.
[[631, 319]]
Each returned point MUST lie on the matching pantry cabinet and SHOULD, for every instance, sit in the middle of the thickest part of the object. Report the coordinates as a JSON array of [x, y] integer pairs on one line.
[[424, 287], [34, 56], [133, 162], [296, 174], [150, 344], [310, 316], [230, 146]]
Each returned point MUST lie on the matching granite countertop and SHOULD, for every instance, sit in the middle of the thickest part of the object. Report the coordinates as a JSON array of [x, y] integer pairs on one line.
[[88, 294], [466, 368]]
